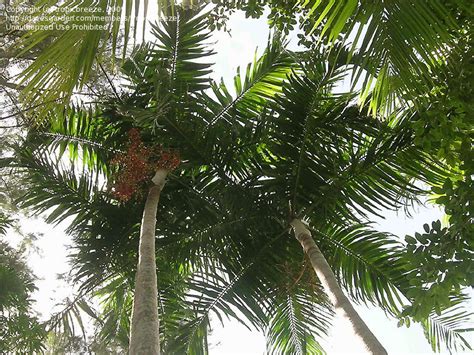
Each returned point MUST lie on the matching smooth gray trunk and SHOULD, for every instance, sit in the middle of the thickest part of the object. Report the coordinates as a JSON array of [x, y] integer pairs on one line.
[[144, 330], [328, 280]]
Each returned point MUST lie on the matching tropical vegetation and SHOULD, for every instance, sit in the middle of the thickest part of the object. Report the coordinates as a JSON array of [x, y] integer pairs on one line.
[[279, 157]]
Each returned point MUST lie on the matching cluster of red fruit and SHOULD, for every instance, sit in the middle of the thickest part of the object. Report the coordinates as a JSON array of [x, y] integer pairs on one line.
[[168, 159], [137, 165], [133, 167]]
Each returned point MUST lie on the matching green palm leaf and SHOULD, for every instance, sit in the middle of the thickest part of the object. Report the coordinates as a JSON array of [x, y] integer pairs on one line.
[[181, 44], [261, 82], [397, 43], [368, 264], [448, 329], [61, 67]]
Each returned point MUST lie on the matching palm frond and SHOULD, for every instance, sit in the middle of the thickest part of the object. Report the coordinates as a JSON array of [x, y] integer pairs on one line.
[[115, 310], [56, 188], [298, 319], [60, 66], [5, 223], [397, 44], [320, 151], [181, 44], [70, 320], [448, 329], [262, 81], [368, 264], [89, 137]]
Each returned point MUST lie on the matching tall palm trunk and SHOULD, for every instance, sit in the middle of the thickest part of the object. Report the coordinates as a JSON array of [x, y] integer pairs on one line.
[[337, 297], [144, 331]]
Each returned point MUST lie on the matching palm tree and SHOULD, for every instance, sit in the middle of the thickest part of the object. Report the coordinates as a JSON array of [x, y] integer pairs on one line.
[[76, 132], [333, 165], [291, 140]]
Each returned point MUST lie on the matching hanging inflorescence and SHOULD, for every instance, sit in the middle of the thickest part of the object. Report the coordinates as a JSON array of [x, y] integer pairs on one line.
[[138, 164]]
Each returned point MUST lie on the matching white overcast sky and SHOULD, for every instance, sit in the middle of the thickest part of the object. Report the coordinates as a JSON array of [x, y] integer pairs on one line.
[[233, 338]]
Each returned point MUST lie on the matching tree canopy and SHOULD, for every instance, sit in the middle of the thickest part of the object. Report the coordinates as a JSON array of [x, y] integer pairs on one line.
[[283, 146]]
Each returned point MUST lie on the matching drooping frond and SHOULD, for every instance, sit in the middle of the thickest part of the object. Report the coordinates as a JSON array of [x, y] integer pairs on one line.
[[115, 310], [5, 223], [69, 53], [322, 152], [225, 280], [371, 268], [90, 138], [56, 188], [70, 320], [298, 319]]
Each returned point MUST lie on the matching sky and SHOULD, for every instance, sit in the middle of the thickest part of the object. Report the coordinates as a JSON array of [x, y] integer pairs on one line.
[[232, 338]]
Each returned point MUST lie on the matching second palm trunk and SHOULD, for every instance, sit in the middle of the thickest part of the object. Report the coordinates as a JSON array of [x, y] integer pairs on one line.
[[328, 280]]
